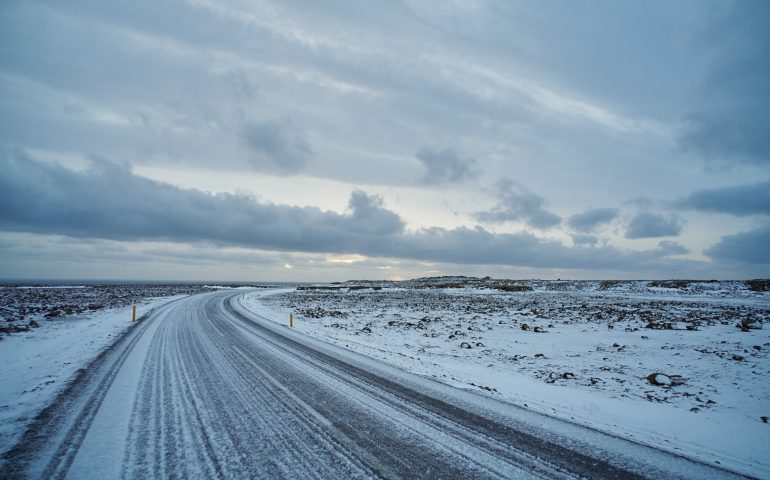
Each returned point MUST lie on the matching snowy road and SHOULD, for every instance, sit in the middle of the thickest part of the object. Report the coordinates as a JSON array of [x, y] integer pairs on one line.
[[202, 389]]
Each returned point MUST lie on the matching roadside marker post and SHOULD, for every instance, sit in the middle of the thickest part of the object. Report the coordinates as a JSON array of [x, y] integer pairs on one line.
[[133, 315], [291, 320]]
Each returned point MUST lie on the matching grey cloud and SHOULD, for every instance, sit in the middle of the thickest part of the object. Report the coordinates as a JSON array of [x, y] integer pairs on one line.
[[109, 202], [178, 86], [752, 247], [517, 203], [479, 246], [732, 122], [667, 247], [370, 216], [278, 147], [55, 248], [589, 220], [740, 200], [445, 166], [585, 239], [727, 136], [650, 225]]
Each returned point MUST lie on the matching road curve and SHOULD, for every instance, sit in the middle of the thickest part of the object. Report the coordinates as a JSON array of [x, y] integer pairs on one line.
[[201, 388]]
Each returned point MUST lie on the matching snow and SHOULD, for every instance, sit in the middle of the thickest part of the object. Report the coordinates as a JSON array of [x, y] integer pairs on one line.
[[714, 416], [38, 365], [566, 363], [105, 444]]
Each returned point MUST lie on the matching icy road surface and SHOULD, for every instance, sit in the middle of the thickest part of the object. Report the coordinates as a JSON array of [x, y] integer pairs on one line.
[[203, 389]]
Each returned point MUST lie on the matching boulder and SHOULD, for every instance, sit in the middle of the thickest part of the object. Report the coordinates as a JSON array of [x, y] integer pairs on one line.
[[662, 380], [749, 324]]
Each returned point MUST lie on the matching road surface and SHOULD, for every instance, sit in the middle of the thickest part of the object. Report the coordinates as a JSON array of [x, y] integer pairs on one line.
[[201, 388]]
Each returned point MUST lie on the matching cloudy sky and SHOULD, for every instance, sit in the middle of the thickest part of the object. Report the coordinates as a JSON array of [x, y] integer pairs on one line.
[[304, 140]]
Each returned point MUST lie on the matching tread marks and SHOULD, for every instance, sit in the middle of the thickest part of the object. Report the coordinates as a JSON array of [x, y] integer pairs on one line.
[[515, 458], [558, 456], [70, 443]]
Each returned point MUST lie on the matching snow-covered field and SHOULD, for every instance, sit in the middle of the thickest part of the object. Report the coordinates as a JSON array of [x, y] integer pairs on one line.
[[582, 351], [21, 304], [37, 365]]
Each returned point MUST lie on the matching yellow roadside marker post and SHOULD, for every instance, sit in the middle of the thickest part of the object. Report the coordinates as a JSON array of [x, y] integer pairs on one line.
[[133, 315], [291, 320]]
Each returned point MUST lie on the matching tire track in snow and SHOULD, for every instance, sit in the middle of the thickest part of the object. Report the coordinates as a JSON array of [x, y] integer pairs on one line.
[[50, 444], [403, 413], [372, 406], [475, 429], [502, 439]]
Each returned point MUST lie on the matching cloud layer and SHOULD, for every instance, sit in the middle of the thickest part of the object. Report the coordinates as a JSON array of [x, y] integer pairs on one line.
[[108, 201], [445, 166], [740, 200], [591, 219], [279, 147], [516, 203], [651, 225], [425, 103], [752, 247], [732, 124]]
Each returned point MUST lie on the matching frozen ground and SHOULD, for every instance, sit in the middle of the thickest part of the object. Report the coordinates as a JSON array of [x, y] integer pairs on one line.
[[38, 364], [202, 388], [23, 303], [576, 350]]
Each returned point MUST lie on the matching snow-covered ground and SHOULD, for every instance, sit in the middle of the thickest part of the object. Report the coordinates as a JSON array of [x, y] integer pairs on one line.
[[36, 366], [552, 350], [24, 303]]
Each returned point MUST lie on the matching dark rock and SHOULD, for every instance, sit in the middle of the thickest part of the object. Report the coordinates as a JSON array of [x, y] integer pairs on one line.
[[552, 377], [749, 324], [662, 380], [659, 325], [512, 288], [759, 285]]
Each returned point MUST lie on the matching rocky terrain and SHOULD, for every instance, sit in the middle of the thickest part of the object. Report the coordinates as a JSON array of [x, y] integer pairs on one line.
[[697, 346], [23, 307]]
